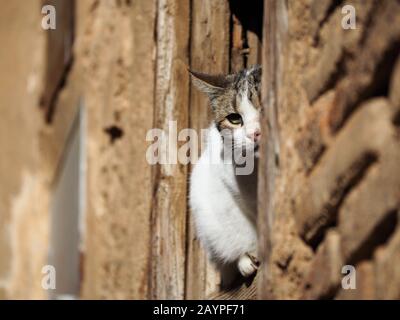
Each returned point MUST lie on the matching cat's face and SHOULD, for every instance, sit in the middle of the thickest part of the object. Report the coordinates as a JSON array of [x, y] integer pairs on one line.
[[235, 103]]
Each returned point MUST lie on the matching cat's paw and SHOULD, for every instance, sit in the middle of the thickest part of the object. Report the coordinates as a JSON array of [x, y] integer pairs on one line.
[[247, 265]]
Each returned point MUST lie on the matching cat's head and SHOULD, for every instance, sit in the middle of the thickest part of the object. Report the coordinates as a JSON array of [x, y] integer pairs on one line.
[[235, 101]]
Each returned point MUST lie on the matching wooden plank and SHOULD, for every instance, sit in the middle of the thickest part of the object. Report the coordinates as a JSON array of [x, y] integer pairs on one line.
[[141, 70], [273, 40], [247, 290], [170, 180], [254, 50], [237, 61], [245, 46], [119, 188], [209, 52]]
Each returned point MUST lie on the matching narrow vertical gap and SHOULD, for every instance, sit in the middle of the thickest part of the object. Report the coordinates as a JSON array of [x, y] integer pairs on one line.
[[154, 169], [187, 224], [246, 48], [267, 169]]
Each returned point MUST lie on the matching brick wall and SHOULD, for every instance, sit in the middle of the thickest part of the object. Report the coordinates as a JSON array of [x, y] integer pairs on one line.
[[331, 194]]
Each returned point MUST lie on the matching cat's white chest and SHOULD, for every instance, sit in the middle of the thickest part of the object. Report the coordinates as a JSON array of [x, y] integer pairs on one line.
[[224, 214]]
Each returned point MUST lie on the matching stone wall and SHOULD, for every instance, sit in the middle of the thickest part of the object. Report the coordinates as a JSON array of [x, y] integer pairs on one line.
[[332, 164]]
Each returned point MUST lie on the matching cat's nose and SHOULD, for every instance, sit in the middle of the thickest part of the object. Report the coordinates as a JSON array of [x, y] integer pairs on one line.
[[255, 135]]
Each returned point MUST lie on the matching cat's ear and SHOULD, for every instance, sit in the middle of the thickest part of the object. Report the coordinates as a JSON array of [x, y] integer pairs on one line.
[[212, 85]]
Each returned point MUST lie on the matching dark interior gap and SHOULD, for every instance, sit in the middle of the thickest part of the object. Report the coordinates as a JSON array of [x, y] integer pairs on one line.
[[250, 15], [245, 48]]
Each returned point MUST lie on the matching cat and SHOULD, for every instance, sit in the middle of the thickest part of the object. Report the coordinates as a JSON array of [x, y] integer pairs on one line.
[[224, 203]]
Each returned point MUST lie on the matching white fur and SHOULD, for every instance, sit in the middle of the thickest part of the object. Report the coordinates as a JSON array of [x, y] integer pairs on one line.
[[250, 116], [246, 266], [224, 204]]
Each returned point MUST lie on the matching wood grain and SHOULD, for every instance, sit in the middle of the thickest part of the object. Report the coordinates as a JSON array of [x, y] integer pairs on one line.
[[170, 184], [273, 39], [209, 52]]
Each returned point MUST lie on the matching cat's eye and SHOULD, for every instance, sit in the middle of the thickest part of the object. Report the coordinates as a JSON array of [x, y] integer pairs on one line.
[[235, 118]]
